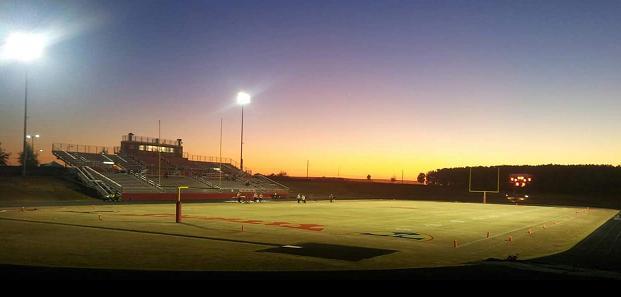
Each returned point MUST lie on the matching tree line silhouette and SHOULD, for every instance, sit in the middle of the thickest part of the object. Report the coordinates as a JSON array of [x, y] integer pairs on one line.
[[562, 179]]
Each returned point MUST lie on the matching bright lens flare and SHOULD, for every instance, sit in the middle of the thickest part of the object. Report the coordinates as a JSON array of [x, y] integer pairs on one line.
[[23, 47], [243, 98]]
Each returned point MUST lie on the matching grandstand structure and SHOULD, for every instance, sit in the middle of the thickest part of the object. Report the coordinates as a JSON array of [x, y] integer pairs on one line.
[[146, 168]]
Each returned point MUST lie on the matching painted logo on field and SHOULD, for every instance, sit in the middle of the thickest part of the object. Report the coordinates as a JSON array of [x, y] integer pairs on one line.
[[402, 234], [307, 227]]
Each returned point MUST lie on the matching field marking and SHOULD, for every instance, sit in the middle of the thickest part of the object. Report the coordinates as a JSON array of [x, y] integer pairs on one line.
[[518, 229], [457, 221], [433, 225], [144, 232], [298, 226], [503, 214]]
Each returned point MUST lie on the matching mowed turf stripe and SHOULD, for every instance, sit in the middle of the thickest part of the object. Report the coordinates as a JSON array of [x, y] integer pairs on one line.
[[146, 232], [563, 217]]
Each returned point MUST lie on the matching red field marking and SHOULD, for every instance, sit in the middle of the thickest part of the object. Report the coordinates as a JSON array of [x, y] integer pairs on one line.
[[308, 227]]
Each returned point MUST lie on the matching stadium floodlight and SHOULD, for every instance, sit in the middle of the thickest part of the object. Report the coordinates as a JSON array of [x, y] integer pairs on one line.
[[243, 98], [24, 47], [32, 139]]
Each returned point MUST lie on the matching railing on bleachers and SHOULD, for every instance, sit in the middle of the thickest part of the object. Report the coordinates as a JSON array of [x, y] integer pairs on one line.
[[152, 140], [271, 181], [211, 159], [79, 148], [203, 169]]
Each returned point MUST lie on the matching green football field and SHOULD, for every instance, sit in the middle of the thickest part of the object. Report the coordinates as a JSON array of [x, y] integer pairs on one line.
[[271, 236]]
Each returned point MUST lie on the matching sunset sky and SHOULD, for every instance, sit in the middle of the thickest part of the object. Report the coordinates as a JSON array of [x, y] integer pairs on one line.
[[370, 87]]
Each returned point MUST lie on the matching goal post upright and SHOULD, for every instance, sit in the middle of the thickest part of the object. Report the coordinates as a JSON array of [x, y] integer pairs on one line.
[[484, 191]]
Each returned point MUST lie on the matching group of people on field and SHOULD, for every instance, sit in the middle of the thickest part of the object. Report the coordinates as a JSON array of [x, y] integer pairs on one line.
[[256, 197], [302, 198]]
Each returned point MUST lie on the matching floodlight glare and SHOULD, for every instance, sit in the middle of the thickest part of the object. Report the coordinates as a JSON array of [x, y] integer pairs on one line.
[[243, 98], [24, 47]]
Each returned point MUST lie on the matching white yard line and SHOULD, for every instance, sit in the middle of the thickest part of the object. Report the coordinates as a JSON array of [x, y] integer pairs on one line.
[[517, 229]]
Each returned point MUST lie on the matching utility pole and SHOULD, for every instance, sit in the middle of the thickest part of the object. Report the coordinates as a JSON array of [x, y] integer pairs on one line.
[[159, 150], [241, 148], [307, 161], [25, 152], [220, 152]]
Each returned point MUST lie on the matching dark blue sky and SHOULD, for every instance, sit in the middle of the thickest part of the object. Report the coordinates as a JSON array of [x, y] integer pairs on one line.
[[439, 76]]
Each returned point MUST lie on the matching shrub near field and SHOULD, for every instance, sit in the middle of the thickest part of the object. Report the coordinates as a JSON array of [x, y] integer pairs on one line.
[[559, 179]]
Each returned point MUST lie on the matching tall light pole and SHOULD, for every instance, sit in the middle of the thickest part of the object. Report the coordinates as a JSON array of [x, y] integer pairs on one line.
[[243, 98], [220, 184], [159, 150], [25, 48]]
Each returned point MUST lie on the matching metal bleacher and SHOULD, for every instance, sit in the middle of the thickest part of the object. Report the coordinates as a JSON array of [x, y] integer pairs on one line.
[[111, 175], [132, 183]]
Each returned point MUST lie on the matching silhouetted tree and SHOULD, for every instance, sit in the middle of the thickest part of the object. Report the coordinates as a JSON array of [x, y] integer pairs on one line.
[[564, 179], [32, 160], [420, 178], [368, 177], [4, 156]]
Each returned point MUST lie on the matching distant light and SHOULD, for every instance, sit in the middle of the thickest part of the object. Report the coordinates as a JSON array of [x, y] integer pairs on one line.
[[28, 136], [243, 98], [108, 162], [37, 136], [24, 47]]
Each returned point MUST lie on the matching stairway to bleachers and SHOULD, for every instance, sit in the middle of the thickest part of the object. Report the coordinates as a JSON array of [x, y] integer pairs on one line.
[[126, 162]]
